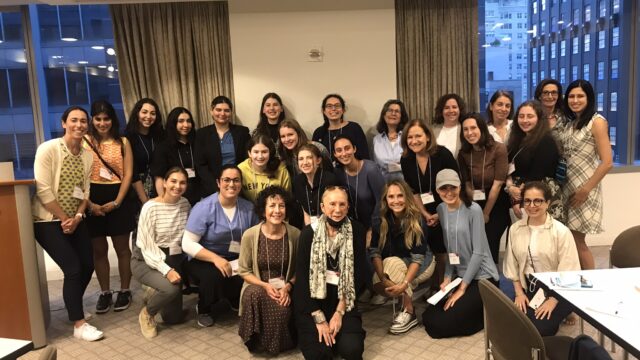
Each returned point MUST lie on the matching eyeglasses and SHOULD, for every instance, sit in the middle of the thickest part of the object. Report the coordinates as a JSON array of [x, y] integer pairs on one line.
[[226, 180], [393, 111], [333, 106], [533, 202], [550, 93]]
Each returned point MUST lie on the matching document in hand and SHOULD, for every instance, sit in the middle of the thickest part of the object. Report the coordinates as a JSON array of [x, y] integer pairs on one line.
[[441, 294]]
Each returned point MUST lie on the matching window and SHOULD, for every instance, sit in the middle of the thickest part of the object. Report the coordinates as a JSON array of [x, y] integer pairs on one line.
[[544, 4], [600, 101], [563, 47], [535, 7], [603, 9], [543, 27], [616, 6], [576, 16], [553, 47], [615, 36], [542, 51], [601, 70], [534, 79], [601, 41], [553, 73], [542, 74], [585, 72], [614, 69], [614, 101], [587, 42], [534, 54], [576, 45], [587, 13], [563, 79], [574, 72]]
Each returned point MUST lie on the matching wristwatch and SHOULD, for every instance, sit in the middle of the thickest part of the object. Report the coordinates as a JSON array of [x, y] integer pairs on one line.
[[318, 317], [115, 204], [341, 312], [80, 216]]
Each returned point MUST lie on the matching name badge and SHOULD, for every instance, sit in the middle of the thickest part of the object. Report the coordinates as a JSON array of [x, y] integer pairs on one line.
[[277, 283], [512, 168], [314, 220], [394, 167], [235, 265], [454, 259], [105, 174], [537, 299], [234, 247], [191, 172], [332, 277], [427, 198], [175, 250], [78, 193], [479, 195]]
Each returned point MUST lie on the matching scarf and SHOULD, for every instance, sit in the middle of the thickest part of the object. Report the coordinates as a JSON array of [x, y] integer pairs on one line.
[[320, 247]]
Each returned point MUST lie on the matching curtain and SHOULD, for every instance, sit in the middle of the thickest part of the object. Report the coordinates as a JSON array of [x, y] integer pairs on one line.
[[437, 53], [178, 54]]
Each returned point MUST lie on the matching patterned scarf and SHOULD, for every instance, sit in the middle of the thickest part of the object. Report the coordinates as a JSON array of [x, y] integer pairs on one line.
[[320, 247]]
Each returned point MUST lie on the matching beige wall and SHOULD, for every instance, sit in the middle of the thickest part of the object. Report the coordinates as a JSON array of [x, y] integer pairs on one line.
[[269, 53]]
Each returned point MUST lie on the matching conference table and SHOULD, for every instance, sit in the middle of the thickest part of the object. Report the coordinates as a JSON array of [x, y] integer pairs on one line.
[[13, 348], [611, 305]]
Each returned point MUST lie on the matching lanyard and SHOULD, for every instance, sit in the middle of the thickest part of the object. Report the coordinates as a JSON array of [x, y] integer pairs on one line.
[[456, 230], [146, 150], [331, 139], [355, 207], [306, 189], [513, 160], [229, 222], [418, 173], [281, 264], [484, 158], [190, 153]]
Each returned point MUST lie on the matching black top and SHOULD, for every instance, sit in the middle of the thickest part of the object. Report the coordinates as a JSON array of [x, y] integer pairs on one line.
[[143, 148], [442, 159], [167, 156], [352, 130], [536, 162], [208, 155], [394, 245], [309, 197], [302, 301], [272, 131]]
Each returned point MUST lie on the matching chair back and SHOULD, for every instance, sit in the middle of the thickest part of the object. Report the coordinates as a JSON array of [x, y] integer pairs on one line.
[[49, 353], [510, 333], [625, 251]]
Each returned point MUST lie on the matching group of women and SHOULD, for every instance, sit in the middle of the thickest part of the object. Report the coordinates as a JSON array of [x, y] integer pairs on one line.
[[218, 212]]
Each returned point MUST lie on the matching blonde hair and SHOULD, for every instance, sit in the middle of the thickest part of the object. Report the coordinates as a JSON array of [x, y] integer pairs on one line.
[[411, 222]]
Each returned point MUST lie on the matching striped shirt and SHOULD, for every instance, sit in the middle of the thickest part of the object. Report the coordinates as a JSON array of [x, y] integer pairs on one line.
[[161, 225]]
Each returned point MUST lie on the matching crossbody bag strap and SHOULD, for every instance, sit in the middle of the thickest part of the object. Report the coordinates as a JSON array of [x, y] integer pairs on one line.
[[95, 150]]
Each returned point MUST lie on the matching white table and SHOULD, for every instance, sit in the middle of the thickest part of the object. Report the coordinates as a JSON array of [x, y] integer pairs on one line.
[[613, 290], [12, 348]]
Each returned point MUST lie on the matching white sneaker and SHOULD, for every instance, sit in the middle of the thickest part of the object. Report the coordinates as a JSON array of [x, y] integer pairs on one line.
[[378, 299], [403, 323], [87, 332]]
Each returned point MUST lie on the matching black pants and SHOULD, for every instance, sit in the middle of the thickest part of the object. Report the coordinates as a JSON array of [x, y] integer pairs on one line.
[[349, 342], [547, 327], [466, 317], [74, 255], [213, 285]]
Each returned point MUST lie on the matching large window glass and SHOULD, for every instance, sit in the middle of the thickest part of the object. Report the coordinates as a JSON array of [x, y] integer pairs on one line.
[[17, 135]]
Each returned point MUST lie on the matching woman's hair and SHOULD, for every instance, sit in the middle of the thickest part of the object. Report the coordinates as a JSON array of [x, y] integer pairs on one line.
[[172, 122], [314, 150], [518, 138], [432, 146], [438, 118], [175, 169], [274, 162], [381, 126], [104, 107], [486, 141], [341, 137], [538, 93], [68, 111], [538, 185], [133, 125], [285, 154], [269, 192], [410, 221], [264, 122], [324, 102], [227, 167], [589, 111], [496, 95], [221, 100]]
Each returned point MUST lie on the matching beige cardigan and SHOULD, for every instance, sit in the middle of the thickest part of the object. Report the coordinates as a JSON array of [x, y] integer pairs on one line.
[[556, 249], [248, 260]]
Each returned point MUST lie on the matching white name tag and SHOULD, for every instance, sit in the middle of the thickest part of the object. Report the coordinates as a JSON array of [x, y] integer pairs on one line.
[[314, 220], [512, 168], [277, 283], [234, 247], [78, 193], [537, 299], [454, 259], [105, 174], [478, 195], [235, 264], [191, 172], [394, 167], [427, 198], [332, 277]]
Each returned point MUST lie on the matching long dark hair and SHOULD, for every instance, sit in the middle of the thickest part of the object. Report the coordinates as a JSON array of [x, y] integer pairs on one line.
[[589, 111], [496, 95], [486, 141], [518, 138], [438, 118], [133, 125], [274, 162], [172, 123], [382, 127], [558, 107], [104, 107], [264, 122]]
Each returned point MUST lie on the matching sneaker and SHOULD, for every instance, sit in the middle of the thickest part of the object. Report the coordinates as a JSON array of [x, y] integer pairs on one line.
[[123, 300], [148, 325], [87, 332], [403, 323], [378, 299], [105, 300], [204, 320]]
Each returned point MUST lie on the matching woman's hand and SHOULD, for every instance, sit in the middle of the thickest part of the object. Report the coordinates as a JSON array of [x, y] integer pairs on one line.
[[271, 291], [521, 302], [396, 289], [324, 334], [173, 276], [70, 224], [579, 197], [444, 283], [223, 265], [96, 210], [516, 192], [285, 299], [108, 207], [432, 219], [335, 325], [517, 211], [545, 310], [453, 298]]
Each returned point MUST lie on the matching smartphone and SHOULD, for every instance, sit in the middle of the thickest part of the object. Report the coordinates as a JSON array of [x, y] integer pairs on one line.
[[585, 283]]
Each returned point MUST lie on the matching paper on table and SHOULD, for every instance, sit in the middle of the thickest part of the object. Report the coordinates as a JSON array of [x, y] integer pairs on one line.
[[616, 309], [441, 294], [234, 266]]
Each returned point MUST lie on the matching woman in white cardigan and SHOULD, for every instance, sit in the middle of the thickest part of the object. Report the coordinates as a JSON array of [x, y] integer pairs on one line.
[[539, 243]]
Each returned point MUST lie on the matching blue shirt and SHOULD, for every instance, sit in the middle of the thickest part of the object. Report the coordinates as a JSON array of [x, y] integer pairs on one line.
[[208, 220], [227, 150], [387, 156]]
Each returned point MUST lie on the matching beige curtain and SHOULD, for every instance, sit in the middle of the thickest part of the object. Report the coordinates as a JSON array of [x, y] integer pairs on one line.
[[437, 53], [178, 54]]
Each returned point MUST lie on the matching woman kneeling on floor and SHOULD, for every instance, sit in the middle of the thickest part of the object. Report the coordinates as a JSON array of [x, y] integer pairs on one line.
[[157, 258], [398, 249]]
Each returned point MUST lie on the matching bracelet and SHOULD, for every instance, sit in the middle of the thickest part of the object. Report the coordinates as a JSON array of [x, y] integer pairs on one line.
[[115, 204], [341, 312], [290, 283], [79, 215]]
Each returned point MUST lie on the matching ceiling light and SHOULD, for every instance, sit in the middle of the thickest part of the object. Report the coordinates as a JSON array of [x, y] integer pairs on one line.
[[97, 47], [102, 66], [110, 51], [110, 68], [83, 62], [69, 39]]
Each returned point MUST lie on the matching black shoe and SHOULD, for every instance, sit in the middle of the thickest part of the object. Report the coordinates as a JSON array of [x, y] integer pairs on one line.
[[105, 300], [122, 301]]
